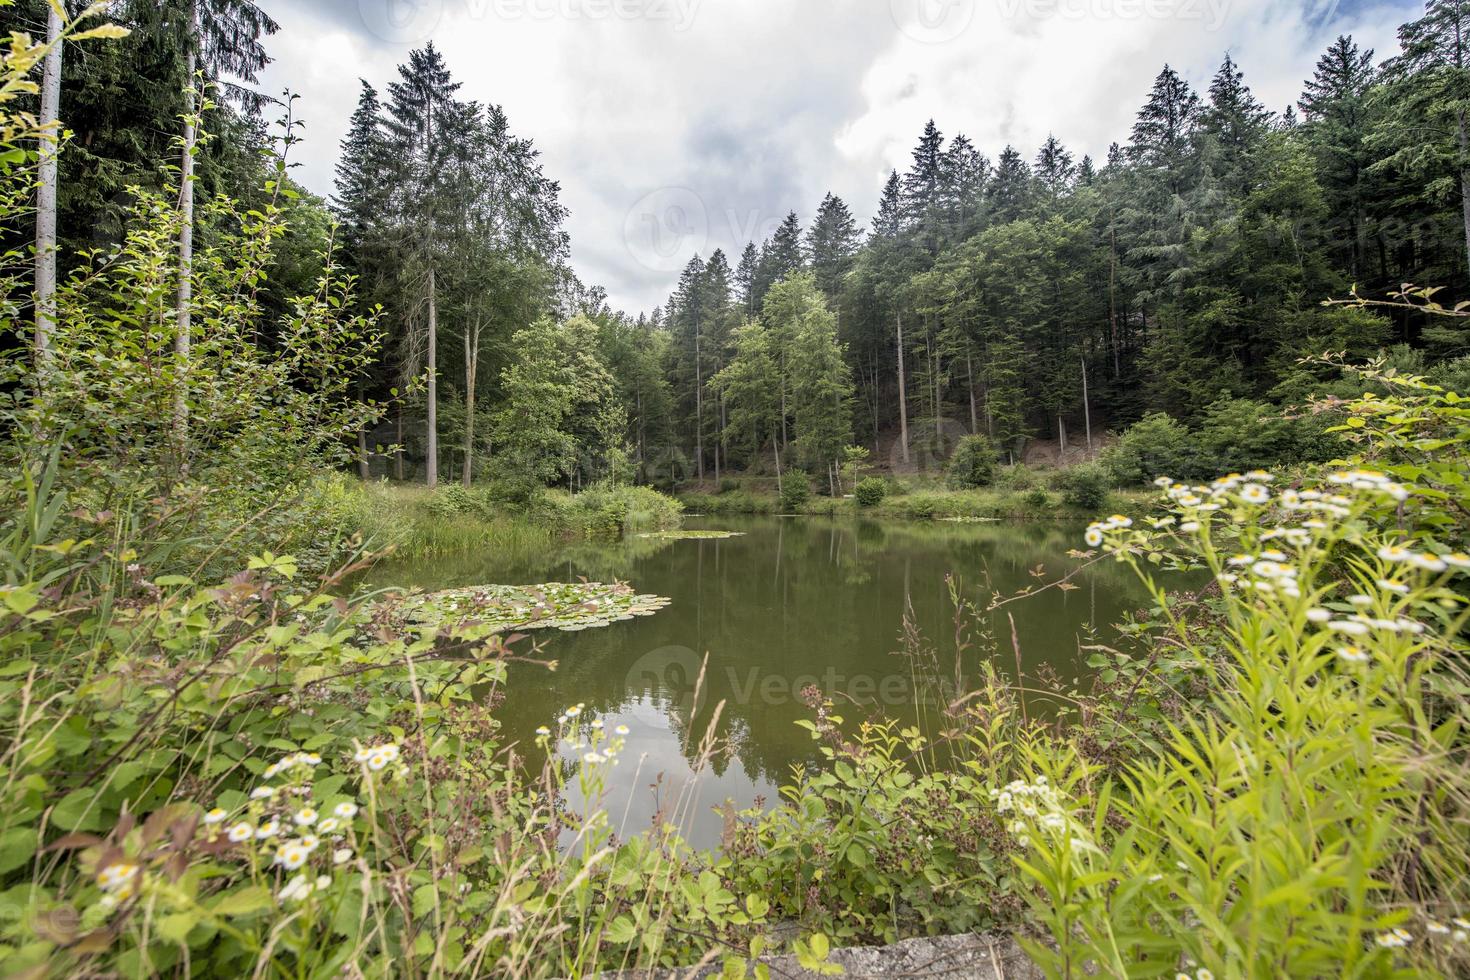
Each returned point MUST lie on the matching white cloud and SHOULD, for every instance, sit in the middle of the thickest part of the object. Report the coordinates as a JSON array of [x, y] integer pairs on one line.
[[710, 119]]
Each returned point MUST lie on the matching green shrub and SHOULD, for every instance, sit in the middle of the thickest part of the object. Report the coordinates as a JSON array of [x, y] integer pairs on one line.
[[1157, 446], [973, 464], [870, 492], [796, 491], [1084, 487], [1018, 477], [1037, 500], [729, 485]]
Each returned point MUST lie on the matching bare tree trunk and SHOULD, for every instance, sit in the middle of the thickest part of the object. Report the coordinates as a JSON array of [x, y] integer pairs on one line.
[[46, 199], [398, 456], [1062, 429], [698, 405], [777, 444], [1113, 300], [903, 403], [1086, 407], [970, 384], [471, 369], [432, 463], [1464, 137], [184, 334], [363, 472]]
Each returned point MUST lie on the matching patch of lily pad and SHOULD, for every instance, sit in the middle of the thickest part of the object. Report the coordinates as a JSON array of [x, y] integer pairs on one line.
[[692, 535], [555, 605]]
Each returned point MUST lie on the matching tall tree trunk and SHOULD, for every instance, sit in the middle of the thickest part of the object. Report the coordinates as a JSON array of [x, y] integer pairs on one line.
[[46, 199], [1464, 137], [1113, 299], [903, 398], [184, 335], [970, 384], [431, 464], [698, 406], [471, 369], [398, 456], [1086, 407], [364, 473]]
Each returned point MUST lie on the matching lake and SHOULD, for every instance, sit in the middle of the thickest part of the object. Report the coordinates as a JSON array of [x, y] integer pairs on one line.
[[791, 603]]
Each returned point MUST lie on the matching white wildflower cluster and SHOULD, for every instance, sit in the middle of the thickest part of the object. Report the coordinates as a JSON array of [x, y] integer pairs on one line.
[[594, 745], [119, 882], [1200, 974], [1098, 529], [1036, 803], [281, 827], [376, 758], [1458, 932], [1266, 572]]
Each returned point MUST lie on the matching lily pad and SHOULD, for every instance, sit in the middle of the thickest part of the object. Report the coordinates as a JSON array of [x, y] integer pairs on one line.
[[555, 605], [692, 535]]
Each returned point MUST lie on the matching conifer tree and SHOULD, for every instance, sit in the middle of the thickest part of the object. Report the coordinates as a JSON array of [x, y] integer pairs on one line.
[[1055, 171], [1335, 105], [422, 112], [832, 242], [1163, 134]]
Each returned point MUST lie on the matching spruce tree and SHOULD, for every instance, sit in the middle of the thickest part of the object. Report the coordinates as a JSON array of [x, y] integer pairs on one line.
[[1235, 123], [1337, 117], [1055, 171], [832, 242], [422, 112], [1163, 134], [1011, 189]]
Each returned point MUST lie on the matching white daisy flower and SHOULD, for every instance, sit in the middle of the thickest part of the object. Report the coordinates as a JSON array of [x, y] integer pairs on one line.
[[305, 817], [1353, 655], [262, 793], [292, 856], [621, 730], [215, 816], [240, 832], [1348, 627], [1318, 616], [115, 876], [345, 811], [268, 829]]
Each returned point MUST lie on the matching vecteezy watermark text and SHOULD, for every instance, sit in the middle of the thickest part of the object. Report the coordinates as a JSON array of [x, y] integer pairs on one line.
[[940, 21]]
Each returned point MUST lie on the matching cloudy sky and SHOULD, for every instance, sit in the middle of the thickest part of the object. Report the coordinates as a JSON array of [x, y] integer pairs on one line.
[[681, 126]]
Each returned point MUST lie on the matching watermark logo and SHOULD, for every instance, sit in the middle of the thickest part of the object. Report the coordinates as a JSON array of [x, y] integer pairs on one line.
[[932, 21], [401, 21], [668, 680], [665, 227]]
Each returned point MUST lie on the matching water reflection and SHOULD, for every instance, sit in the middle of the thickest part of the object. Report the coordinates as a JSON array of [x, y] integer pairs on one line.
[[792, 604]]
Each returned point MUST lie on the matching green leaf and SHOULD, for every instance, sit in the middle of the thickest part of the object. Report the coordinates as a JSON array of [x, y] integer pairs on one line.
[[17, 846], [247, 901]]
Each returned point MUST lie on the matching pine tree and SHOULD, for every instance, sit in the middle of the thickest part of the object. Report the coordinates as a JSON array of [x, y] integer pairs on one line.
[[1235, 123], [832, 242], [923, 191], [747, 276], [362, 171], [421, 112], [782, 255], [1163, 134], [1011, 188], [965, 171], [1054, 170], [888, 221], [1338, 119]]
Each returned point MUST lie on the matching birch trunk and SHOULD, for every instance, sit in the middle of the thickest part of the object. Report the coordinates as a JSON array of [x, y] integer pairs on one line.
[[184, 335], [471, 369], [46, 199], [431, 465]]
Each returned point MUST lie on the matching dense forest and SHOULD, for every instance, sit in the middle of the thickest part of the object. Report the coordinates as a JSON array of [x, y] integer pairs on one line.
[[341, 562], [1049, 297]]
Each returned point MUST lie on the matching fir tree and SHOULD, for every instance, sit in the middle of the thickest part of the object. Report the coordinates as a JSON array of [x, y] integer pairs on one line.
[[832, 242]]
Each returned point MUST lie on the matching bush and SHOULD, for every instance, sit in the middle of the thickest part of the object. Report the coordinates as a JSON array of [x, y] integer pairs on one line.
[[729, 485], [870, 492], [1018, 477], [796, 490], [973, 464], [1084, 487], [1037, 500], [1159, 445]]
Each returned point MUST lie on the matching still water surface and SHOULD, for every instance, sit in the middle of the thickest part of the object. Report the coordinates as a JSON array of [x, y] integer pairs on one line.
[[791, 603]]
